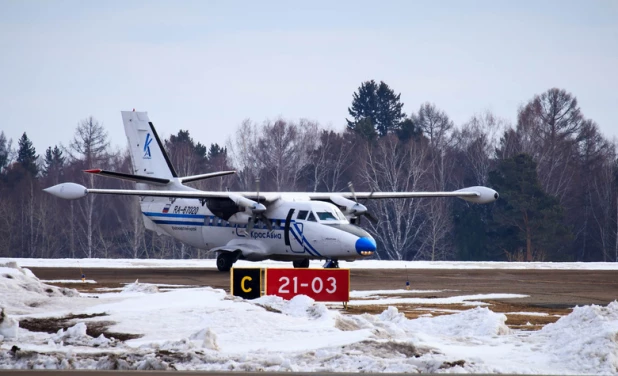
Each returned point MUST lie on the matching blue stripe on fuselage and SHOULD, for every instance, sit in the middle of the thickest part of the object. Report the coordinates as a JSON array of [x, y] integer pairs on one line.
[[304, 242], [172, 215], [182, 223]]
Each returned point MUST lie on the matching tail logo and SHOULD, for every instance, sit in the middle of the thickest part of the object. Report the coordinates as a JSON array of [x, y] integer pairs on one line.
[[147, 154]]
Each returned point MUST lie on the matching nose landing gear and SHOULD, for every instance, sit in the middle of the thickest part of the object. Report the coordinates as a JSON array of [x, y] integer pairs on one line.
[[331, 264], [304, 263]]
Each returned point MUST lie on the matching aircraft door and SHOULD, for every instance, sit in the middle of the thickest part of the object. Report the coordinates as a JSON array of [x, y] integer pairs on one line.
[[293, 234]]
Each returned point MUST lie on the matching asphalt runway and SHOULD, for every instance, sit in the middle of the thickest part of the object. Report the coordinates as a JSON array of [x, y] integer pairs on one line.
[[545, 288]]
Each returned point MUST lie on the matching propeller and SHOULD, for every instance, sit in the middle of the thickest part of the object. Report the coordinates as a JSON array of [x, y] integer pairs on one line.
[[361, 209]]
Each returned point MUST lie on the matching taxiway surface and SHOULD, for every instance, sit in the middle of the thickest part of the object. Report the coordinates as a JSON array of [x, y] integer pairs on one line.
[[545, 288]]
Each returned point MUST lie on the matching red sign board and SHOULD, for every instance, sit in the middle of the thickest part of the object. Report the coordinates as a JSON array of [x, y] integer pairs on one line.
[[323, 285]]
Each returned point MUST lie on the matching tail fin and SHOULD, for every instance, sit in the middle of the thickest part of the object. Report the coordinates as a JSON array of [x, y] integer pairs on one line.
[[147, 153]]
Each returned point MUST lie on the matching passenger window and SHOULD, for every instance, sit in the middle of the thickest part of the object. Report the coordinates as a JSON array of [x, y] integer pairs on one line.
[[311, 217], [302, 214]]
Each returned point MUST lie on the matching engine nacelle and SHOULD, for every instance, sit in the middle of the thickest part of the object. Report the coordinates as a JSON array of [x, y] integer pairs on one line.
[[484, 195], [240, 218], [350, 207], [255, 207]]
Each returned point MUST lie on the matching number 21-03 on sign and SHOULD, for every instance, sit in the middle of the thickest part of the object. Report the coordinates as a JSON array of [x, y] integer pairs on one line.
[[324, 285]]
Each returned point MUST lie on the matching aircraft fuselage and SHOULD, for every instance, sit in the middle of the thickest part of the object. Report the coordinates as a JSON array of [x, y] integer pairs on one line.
[[299, 229]]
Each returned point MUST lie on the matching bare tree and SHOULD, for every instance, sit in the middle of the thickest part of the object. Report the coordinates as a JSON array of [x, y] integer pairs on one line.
[[437, 127], [89, 146], [435, 124], [478, 140], [284, 149], [242, 152], [549, 126], [331, 159], [391, 165]]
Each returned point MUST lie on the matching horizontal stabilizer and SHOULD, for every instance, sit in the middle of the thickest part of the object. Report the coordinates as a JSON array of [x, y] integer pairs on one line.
[[153, 180], [123, 176]]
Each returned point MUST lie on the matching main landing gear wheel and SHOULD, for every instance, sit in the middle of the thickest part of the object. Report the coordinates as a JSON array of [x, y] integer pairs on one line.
[[331, 264], [225, 260], [304, 263]]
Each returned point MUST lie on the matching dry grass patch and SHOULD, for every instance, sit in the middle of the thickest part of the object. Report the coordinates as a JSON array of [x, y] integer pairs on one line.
[[87, 287], [93, 328]]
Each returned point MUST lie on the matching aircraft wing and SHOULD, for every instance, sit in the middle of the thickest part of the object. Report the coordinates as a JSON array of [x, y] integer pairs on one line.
[[74, 191], [477, 194], [250, 200]]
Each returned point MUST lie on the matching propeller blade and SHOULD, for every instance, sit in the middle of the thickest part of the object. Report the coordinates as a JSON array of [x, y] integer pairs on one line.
[[351, 186], [250, 225], [371, 217], [267, 222], [261, 215], [358, 218]]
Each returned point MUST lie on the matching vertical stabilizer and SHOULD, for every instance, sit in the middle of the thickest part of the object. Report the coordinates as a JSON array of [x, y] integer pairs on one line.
[[147, 154]]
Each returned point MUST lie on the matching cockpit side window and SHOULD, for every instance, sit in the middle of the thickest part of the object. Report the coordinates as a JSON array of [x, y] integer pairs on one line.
[[311, 217], [340, 215], [302, 214]]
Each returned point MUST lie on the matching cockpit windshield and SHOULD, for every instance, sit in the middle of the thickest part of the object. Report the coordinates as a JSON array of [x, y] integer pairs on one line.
[[322, 214], [334, 215], [326, 216]]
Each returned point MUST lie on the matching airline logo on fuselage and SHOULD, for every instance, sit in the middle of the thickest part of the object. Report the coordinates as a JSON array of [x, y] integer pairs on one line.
[[147, 154]]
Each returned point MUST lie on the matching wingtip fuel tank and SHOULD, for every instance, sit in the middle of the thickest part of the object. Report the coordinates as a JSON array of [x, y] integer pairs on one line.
[[68, 191], [484, 195]]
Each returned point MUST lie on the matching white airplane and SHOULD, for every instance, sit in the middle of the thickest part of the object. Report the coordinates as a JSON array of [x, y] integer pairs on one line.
[[254, 226]]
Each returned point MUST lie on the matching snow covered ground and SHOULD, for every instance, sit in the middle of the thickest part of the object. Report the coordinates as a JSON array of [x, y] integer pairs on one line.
[[362, 264], [192, 328]]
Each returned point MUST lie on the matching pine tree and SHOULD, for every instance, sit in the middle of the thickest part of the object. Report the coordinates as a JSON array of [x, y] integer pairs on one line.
[[377, 103], [409, 129], [54, 160], [527, 220], [366, 129], [5, 151], [26, 155], [215, 151], [187, 157]]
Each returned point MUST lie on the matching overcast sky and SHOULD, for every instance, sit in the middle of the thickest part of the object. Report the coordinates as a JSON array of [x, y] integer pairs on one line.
[[207, 65]]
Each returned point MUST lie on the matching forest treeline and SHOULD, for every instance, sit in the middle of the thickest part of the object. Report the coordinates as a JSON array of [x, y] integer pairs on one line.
[[556, 174]]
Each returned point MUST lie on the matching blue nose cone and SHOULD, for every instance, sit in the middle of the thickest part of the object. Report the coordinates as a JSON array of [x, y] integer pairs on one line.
[[365, 246]]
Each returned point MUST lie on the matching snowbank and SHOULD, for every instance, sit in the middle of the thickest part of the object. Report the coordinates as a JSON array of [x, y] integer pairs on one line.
[[475, 322], [146, 288], [591, 332], [21, 291], [8, 326], [205, 329], [76, 335]]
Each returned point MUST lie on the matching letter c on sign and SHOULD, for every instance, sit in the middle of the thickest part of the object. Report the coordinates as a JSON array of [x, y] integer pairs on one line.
[[242, 284]]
